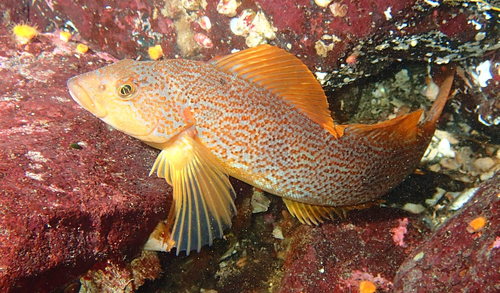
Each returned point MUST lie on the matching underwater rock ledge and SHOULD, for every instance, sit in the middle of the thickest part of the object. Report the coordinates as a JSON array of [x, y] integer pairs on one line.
[[395, 252], [463, 254], [335, 257], [73, 192], [346, 39]]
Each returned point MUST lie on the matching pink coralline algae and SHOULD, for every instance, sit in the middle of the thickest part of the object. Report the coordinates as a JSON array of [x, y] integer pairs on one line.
[[399, 232]]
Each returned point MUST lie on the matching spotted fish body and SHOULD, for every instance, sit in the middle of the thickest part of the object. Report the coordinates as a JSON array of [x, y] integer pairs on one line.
[[257, 115], [267, 142]]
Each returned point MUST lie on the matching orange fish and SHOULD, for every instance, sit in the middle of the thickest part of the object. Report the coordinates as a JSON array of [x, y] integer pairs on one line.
[[258, 115]]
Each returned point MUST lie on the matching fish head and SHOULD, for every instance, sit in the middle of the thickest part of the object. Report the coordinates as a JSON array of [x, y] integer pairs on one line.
[[125, 95]]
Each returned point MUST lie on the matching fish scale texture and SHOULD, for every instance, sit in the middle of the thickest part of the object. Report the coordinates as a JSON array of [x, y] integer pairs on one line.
[[265, 141]]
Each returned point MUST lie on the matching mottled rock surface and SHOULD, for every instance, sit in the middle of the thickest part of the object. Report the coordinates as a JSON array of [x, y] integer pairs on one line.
[[73, 192], [350, 39], [455, 258], [335, 257]]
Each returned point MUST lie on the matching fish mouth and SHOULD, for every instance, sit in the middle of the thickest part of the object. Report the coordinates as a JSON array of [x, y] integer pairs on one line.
[[80, 95]]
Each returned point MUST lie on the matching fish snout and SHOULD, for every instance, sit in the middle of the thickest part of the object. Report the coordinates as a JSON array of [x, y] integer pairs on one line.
[[82, 97]]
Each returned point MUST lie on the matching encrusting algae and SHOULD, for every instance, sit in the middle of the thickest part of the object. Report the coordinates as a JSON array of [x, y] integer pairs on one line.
[[367, 287], [24, 33], [82, 48], [65, 36], [155, 52], [260, 116], [477, 224]]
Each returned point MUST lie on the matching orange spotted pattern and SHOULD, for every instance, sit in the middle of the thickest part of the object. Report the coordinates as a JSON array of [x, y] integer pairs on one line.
[[265, 141]]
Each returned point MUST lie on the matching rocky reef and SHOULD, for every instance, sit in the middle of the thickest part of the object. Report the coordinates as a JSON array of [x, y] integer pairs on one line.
[[74, 193], [76, 204], [462, 254]]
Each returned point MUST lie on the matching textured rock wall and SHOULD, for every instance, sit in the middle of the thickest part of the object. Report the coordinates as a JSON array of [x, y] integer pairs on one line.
[[73, 192]]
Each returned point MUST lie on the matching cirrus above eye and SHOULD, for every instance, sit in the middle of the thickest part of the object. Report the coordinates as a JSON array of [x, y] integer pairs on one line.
[[126, 90]]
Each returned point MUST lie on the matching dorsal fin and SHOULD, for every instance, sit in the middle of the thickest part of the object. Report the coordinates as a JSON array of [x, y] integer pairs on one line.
[[284, 75]]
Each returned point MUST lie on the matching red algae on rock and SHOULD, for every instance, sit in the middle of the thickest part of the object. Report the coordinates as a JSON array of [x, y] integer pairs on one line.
[[336, 257], [74, 193], [453, 259]]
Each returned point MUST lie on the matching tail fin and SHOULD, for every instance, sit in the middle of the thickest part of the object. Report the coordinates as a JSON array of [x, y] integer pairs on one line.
[[407, 126], [442, 98]]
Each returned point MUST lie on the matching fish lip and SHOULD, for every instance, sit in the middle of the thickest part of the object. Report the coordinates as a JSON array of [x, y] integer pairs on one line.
[[80, 95]]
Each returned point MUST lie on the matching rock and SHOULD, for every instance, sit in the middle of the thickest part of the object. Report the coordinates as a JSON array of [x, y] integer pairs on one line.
[[414, 208], [484, 164], [335, 257], [351, 39], [13, 11], [449, 163], [73, 192], [119, 276], [260, 203], [480, 104], [455, 259]]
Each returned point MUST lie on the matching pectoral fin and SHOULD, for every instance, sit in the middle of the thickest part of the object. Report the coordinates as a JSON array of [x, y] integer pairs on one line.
[[202, 193]]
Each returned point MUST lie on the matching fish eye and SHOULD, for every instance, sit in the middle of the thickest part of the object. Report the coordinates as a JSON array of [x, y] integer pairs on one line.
[[126, 90]]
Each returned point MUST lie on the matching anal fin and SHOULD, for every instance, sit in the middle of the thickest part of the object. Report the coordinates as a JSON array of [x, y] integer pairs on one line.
[[203, 196], [316, 214], [307, 213]]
